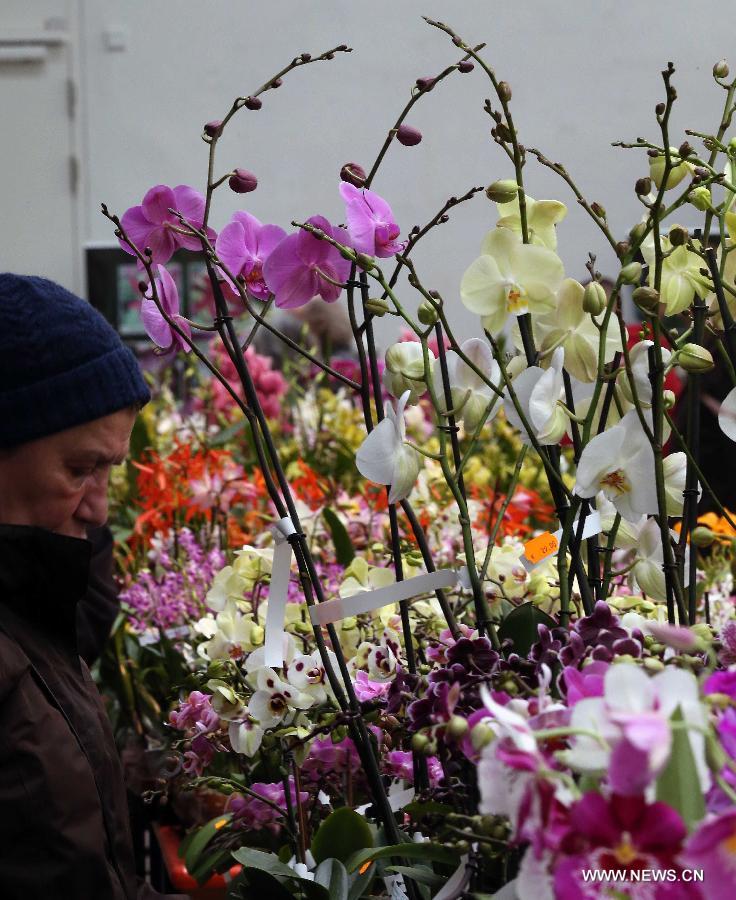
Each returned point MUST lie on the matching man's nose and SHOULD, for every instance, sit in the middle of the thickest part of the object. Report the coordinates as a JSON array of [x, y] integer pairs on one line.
[[93, 508]]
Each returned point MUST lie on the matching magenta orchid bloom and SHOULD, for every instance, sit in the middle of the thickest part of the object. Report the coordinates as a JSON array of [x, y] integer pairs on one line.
[[624, 834], [243, 246], [712, 848], [371, 224], [151, 224], [302, 267], [157, 328]]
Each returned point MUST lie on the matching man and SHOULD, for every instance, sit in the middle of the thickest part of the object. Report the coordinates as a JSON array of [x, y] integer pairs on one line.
[[69, 394]]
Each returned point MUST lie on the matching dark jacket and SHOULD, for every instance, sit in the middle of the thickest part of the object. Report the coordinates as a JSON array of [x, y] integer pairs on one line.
[[64, 830]]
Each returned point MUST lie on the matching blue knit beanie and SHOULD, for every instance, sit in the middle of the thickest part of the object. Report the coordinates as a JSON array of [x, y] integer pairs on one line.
[[61, 363]]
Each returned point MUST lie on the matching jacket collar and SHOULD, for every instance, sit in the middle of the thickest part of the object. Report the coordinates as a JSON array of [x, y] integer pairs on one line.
[[42, 577]]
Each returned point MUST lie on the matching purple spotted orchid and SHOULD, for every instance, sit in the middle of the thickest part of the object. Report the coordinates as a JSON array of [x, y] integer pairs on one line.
[[371, 224], [243, 246], [152, 225], [302, 266]]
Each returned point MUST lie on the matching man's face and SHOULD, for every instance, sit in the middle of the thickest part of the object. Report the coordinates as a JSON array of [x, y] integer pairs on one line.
[[60, 482]]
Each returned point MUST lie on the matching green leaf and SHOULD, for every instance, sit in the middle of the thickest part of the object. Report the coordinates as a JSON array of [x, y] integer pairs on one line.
[[360, 884], [426, 851], [264, 862], [521, 626], [202, 837], [422, 874], [342, 834], [344, 550], [211, 862], [259, 886], [332, 875], [679, 784]]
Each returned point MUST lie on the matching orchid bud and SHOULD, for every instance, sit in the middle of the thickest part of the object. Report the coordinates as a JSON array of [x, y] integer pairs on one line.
[[637, 232], [426, 313], [678, 171], [213, 128], [720, 69], [465, 66], [631, 273], [503, 191], [425, 83], [702, 536], [653, 665], [594, 298], [408, 135], [685, 149], [353, 174], [504, 91], [482, 735], [646, 298], [669, 399], [622, 249], [701, 198], [419, 742], [457, 727], [695, 359], [253, 103], [242, 181], [257, 635], [643, 186], [678, 235], [364, 261], [598, 210], [406, 358], [377, 305]]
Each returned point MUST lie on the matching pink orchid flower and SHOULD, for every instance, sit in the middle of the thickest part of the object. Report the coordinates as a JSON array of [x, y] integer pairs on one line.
[[152, 225], [243, 246], [157, 328], [302, 266], [712, 848], [371, 224]]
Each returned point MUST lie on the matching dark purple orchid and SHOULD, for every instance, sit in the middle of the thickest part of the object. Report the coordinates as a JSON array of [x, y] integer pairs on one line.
[[157, 328], [371, 224], [152, 225], [303, 266], [243, 246]]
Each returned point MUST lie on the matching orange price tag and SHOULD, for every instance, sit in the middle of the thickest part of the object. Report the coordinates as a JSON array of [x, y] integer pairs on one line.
[[541, 547]]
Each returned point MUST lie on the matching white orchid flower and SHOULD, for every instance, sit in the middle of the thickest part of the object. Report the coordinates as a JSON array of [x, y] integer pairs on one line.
[[727, 415], [256, 660], [541, 218], [620, 463], [227, 585], [648, 569], [245, 735], [307, 674], [568, 325], [538, 392], [361, 576], [637, 708], [385, 458], [275, 699], [639, 356], [231, 634], [471, 395], [681, 278], [675, 480], [405, 369], [381, 663], [510, 278], [627, 534]]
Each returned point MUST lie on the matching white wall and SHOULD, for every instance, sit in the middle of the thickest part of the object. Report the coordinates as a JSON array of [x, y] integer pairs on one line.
[[583, 74]]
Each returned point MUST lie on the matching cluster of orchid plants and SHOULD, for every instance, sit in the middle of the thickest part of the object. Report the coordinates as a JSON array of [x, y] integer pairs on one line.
[[554, 708]]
